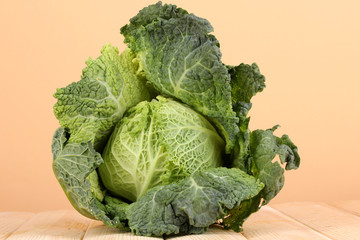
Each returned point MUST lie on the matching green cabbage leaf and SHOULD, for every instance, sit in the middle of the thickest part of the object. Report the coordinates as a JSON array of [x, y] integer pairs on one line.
[[74, 165], [264, 146], [257, 152], [158, 142], [191, 205], [90, 108], [246, 82], [182, 60], [186, 206]]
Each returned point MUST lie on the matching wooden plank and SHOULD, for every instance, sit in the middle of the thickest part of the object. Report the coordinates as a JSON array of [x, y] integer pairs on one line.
[[10, 221], [352, 206], [328, 220], [98, 231], [269, 223], [213, 233], [65, 224]]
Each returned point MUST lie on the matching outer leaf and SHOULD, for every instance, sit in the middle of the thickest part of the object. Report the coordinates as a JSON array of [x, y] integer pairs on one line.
[[246, 81], [151, 13], [73, 164], [237, 215], [193, 203], [58, 142], [180, 59], [263, 148], [258, 161], [240, 153], [88, 109], [289, 154]]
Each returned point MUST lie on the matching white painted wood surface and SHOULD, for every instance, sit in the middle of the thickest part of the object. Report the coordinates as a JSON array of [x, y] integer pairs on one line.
[[64, 224], [326, 219], [10, 221], [271, 224], [352, 206], [213, 233], [293, 221], [98, 231]]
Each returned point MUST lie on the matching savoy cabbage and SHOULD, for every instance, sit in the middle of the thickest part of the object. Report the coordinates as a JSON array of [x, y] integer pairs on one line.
[[155, 140]]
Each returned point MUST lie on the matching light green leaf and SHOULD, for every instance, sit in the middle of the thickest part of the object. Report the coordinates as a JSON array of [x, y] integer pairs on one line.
[[89, 109], [158, 142]]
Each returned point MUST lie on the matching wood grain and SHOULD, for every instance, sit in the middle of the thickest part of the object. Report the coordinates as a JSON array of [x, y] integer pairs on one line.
[[352, 206], [213, 233], [65, 224], [328, 220], [269, 223], [98, 231], [10, 221]]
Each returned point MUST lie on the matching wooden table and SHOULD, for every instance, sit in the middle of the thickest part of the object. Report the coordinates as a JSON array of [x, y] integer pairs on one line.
[[294, 221]]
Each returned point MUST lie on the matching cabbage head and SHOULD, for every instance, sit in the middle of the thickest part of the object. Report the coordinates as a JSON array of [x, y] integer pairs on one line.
[[156, 143], [155, 139]]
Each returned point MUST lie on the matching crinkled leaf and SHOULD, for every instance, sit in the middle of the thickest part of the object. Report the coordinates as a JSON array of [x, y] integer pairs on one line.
[[158, 142], [181, 59], [116, 211], [264, 146], [289, 153], [73, 164], [237, 215], [240, 153], [192, 204], [97, 188], [151, 13], [242, 109], [89, 109], [58, 142], [246, 81]]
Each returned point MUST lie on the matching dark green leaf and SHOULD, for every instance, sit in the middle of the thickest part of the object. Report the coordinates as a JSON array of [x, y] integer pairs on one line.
[[193, 203], [237, 215], [246, 81], [264, 146], [182, 60]]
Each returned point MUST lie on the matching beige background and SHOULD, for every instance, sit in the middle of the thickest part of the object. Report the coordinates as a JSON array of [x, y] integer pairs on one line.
[[309, 52]]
